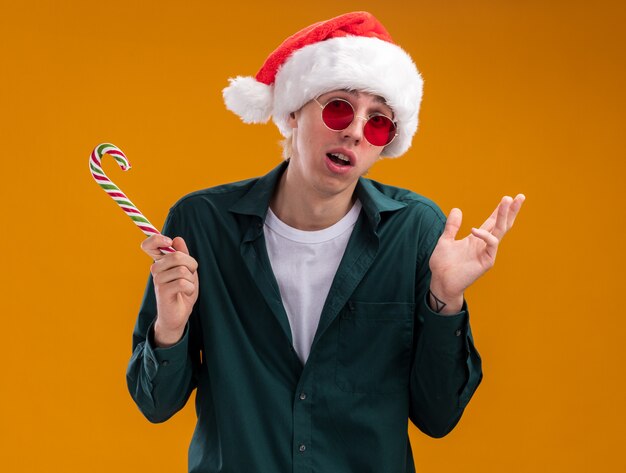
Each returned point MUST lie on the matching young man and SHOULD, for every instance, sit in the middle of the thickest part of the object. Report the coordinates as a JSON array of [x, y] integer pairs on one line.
[[314, 310]]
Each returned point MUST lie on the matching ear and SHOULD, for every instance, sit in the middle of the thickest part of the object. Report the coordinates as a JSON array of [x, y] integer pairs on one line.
[[292, 121]]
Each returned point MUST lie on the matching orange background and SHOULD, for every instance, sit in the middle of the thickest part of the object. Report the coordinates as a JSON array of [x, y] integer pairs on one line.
[[519, 97]]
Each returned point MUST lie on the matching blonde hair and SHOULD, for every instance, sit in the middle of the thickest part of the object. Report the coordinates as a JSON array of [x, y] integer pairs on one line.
[[287, 145]]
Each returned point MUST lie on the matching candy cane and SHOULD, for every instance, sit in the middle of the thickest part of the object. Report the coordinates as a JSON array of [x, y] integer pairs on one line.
[[115, 193]]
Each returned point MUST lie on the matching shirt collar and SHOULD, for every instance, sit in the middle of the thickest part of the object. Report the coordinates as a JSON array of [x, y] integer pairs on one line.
[[374, 201], [257, 200]]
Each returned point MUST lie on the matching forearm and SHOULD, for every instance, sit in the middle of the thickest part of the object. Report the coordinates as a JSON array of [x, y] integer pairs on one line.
[[160, 380], [446, 371]]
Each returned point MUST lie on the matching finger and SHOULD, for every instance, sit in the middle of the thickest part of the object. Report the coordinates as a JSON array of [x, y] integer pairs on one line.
[[490, 240], [490, 223], [515, 207], [173, 274], [500, 227], [453, 223], [180, 245], [491, 220], [174, 260], [152, 244], [172, 288], [178, 258]]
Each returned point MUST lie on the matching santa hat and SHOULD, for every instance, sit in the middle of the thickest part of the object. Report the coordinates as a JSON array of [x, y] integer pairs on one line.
[[352, 51]]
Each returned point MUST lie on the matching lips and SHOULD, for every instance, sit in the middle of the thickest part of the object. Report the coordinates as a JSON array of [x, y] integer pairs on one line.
[[340, 161], [338, 158], [342, 157]]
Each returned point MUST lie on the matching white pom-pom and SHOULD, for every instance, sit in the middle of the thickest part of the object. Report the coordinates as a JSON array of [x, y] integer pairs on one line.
[[249, 98]]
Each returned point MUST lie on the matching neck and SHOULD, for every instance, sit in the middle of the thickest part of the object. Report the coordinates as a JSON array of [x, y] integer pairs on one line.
[[305, 209]]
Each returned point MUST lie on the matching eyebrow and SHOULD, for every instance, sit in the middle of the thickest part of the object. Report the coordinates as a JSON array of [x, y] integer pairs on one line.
[[377, 99], [356, 94]]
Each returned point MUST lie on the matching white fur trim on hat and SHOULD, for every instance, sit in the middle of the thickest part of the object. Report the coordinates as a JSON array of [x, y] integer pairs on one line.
[[250, 99]]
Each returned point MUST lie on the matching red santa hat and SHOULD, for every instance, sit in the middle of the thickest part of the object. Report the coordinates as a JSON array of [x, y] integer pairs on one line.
[[352, 51]]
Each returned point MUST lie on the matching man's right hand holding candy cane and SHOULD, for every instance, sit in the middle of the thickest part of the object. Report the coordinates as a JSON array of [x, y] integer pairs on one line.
[[174, 270], [176, 286]]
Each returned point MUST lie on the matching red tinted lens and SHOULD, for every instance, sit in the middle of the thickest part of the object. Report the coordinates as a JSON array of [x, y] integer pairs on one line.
[[338, 114], [379, 130]]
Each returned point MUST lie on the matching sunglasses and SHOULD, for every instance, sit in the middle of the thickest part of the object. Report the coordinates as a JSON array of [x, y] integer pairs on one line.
[[338, 114]]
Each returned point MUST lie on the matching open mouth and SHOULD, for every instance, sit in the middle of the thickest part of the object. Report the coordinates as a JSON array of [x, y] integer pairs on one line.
[[338, 158]]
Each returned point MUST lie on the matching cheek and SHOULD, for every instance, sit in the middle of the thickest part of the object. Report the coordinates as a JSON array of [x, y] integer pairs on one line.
[[310, 136], [303, 143]]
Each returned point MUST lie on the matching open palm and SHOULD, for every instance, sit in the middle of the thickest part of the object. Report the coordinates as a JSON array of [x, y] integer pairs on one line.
[[456, 264]]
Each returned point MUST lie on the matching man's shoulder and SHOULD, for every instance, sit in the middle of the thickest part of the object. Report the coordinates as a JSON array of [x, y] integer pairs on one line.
[[220, 196], [417, 204]]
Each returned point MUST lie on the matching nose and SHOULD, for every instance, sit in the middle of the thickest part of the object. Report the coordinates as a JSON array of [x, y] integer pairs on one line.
[[355, 129]]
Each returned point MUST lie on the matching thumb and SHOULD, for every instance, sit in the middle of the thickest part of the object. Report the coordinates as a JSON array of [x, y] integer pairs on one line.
[[179, 245], [453, 223]]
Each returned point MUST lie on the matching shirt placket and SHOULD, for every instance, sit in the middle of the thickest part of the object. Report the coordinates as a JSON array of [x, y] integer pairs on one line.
[[302, 441]]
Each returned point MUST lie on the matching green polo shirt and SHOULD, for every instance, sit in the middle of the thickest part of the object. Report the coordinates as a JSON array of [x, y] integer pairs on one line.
[[380, 355]]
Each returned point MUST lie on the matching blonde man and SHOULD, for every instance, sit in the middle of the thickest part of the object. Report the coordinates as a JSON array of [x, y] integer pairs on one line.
[[315, 311]]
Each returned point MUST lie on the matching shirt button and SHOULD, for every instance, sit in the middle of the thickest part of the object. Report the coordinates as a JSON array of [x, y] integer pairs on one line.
[[165, 363], [302, 396], [458, 332], [302, 448]]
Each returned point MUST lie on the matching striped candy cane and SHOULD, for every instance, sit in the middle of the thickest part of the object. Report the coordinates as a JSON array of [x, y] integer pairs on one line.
[[115, 193]]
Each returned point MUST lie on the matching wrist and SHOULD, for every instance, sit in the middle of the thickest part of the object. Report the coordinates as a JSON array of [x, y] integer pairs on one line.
[[165, 338], [443, 303]]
